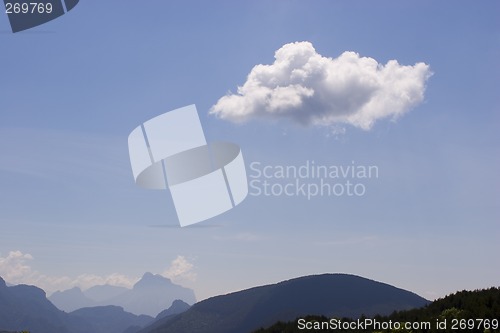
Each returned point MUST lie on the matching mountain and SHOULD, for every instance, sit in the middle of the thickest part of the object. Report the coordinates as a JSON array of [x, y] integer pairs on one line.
[[71, 299], [463, 305], [178, 306], [339, 295], [110, 319], [484, 304], [103, 293], [27, 308], [163, 317], [150, 295]]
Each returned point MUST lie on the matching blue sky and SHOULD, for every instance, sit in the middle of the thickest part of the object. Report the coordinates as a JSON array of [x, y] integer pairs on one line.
[[73, 89]]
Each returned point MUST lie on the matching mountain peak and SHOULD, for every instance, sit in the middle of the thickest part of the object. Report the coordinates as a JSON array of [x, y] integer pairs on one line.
[[152, 280], [329, 295], [151, 276], [2, 283], [71, 299], [178, 306]]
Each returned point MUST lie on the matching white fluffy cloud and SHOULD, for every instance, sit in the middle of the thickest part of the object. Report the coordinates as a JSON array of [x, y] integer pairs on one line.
[[180, 270], [306, 87], [14, 268]]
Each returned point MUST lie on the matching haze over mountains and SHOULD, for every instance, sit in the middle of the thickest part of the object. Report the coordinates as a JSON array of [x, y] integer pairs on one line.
[[27, 308], [150, 295]]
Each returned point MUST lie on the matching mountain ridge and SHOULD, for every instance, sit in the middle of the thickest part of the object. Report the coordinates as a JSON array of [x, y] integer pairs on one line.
[[324, 294], [150, 295], [24, 307], [111, 318]]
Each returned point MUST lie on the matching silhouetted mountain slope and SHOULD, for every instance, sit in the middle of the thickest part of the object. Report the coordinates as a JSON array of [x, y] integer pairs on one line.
[[26, 308], [110, 319], [178, 306], [338, 295], [463, 305], [165, 316]]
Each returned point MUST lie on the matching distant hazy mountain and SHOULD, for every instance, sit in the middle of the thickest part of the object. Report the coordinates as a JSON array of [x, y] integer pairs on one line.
[[103, 293], [71, 299], [150, 295], [27, 308], [330, 295], [110, 319]]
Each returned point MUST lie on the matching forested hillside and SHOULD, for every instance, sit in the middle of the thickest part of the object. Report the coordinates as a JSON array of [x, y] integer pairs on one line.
[[466, 311]]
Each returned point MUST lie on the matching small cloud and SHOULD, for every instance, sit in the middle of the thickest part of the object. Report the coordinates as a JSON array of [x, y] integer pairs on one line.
[[14, 266], [314, 90], [350, 241], [336, 131], [180, 270]]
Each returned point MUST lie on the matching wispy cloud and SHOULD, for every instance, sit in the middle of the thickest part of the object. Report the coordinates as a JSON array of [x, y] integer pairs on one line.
[[240, 237], [61, 156], [311, 89], [350, 241]]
